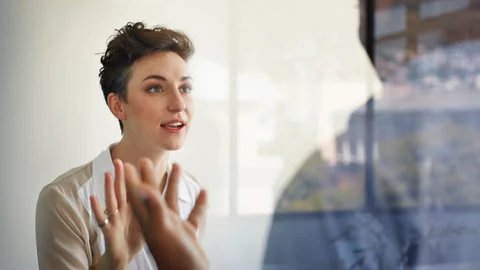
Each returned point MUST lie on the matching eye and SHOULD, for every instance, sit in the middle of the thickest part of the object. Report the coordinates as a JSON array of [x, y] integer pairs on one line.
[[186, 89], [155, 89]]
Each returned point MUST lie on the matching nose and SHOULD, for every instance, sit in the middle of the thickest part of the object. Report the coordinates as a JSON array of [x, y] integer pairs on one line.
[[176, 102]]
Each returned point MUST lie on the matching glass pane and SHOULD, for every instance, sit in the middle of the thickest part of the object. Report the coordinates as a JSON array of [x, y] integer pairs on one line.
[[295, 96], [306, 68], [435, 8], [210, 131], [427, 129], [425, 188], [393, 20]]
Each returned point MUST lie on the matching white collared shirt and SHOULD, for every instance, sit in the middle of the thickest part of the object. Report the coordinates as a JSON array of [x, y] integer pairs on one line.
[[66, 229]]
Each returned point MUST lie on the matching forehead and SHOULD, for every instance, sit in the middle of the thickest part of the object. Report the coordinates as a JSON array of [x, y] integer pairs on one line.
[[167, 64]]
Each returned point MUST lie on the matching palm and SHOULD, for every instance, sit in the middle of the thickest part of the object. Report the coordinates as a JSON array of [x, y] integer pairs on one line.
[[122, 233], [125, 238]]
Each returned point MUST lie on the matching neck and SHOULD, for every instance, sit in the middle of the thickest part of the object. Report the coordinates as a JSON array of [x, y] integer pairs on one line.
[[131, 152]]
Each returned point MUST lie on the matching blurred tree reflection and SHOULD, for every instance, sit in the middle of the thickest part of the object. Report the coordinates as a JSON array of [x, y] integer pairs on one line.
[[437, 165], [318, 187]]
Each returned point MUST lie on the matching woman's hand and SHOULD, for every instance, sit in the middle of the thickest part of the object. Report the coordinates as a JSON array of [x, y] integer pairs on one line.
[[172, 241], [122, 233]]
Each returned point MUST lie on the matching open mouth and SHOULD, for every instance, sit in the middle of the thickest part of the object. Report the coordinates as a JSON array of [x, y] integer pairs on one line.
[[174, 125]]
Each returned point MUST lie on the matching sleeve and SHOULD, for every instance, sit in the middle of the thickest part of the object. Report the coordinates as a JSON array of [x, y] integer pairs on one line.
[[60, 243]]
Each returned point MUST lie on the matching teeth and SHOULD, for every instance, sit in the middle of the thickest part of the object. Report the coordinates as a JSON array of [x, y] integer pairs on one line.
[[177, 124]]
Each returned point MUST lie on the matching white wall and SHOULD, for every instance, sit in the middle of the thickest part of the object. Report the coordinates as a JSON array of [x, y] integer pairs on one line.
[[286, 52]]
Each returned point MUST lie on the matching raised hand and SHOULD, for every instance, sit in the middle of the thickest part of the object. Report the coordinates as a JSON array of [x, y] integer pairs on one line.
[[171, 240], [123, 236]]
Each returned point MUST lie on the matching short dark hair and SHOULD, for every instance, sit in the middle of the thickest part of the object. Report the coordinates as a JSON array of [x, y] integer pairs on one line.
[[132, 42]]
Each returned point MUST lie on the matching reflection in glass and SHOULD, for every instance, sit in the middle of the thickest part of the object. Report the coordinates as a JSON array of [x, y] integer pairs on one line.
[[424, 152]]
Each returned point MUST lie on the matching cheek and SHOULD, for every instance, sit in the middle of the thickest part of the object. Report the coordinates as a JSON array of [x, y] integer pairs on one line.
[[189, 109], [142, 112]]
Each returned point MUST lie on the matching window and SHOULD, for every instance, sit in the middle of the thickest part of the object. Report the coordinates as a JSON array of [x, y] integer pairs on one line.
[[433, 8], [390, 20]]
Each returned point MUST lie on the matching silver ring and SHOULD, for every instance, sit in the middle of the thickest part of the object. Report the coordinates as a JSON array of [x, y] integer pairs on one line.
[[103, 223]]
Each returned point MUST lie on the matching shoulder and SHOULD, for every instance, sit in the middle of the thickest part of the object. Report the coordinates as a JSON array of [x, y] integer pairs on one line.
[[63, 191], [62, 223], [72, 180]]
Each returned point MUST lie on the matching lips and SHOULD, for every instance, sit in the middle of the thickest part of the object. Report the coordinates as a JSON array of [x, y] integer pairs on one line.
[[174, 126]]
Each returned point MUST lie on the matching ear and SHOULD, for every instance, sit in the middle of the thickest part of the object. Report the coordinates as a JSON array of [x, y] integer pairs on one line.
[[115, 104]]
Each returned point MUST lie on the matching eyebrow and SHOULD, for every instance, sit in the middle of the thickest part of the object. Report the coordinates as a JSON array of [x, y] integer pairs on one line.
[[161, 78]]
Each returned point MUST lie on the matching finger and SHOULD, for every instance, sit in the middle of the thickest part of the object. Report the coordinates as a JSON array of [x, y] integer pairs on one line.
[[155, 204], [120, 192], [99, 216], [147, 172], [131, 177], [191, 230], [171, 194], [110, 198], [147, 205], [192, 233], [137, 200], [199, 211]]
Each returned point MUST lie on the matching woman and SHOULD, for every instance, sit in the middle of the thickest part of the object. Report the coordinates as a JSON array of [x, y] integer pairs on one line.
[[147, 87]]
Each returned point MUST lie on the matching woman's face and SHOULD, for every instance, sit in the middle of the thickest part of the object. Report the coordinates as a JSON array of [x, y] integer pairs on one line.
[[159, 103]]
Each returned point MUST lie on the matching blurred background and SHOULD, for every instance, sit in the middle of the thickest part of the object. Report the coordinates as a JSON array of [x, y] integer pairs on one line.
[[314, 156]]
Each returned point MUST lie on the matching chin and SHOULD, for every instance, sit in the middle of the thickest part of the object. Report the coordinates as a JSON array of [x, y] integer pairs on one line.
[[171, 142], [172, 146]]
